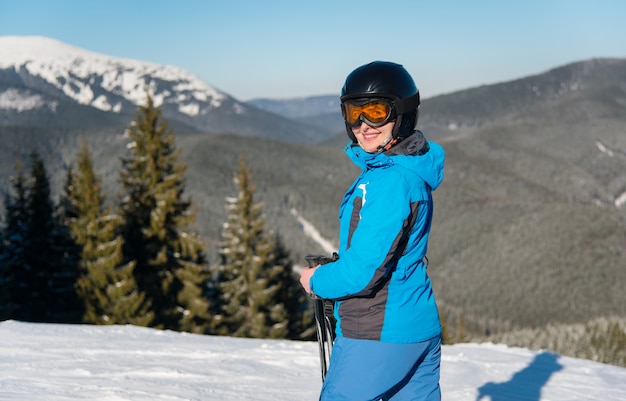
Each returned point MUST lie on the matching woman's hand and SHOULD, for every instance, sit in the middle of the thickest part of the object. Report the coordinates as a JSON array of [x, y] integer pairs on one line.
[[305, 278]]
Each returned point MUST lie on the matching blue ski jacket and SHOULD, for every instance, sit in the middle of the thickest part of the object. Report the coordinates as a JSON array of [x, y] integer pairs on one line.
[[380, 284]]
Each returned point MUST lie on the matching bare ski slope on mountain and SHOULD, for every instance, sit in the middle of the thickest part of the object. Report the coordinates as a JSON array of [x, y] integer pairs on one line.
[[54, 362]]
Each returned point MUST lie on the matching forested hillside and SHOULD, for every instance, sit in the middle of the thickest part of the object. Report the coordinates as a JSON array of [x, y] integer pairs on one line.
[[530, 222]]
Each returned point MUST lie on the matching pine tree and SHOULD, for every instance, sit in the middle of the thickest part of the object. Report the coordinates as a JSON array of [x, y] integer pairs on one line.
[[39, 259], [65, 303], [12, 259], [6, 280], [253, 281], [45, 276], [301, 324], [169, 256], [106, 286]]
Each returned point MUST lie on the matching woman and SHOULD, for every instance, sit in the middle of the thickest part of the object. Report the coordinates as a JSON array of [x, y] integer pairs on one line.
[[388, 343]]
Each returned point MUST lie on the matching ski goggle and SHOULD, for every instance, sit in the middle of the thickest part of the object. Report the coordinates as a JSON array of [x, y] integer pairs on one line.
[[373, 112]]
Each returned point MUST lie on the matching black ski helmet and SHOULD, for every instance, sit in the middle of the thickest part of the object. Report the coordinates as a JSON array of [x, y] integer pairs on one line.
[[383, 79]]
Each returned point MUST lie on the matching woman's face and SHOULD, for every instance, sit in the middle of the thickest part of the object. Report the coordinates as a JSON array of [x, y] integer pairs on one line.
[[370, 138]]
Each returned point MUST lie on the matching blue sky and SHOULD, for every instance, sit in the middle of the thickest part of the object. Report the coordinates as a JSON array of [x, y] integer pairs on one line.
[[293, 48]]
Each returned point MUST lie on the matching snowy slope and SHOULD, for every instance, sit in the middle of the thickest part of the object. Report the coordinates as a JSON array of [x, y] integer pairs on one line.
[[116, 363]]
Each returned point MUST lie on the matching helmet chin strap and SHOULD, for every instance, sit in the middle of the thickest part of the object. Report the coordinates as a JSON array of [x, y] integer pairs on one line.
[[388, 144]]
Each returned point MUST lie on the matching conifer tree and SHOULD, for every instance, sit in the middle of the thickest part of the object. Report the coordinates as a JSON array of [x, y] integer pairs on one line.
[[44, 279], [253, 280], [106, 286], [6, 280], [65, 302], [39, 255], [6, 285], [157, 219], [299, 308], [12, 259]]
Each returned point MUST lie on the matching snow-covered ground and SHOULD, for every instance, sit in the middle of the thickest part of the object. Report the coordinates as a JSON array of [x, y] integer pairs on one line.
[[51, 362]]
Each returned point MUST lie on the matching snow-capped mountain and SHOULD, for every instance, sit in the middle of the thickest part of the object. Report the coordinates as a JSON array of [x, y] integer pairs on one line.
[[105, 82], [41, 73]]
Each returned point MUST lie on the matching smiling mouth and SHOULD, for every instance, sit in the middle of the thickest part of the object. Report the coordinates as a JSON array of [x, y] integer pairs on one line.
[[370, 136]]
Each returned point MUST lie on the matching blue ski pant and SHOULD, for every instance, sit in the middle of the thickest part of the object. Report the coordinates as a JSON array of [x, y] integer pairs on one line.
[[365, 370]]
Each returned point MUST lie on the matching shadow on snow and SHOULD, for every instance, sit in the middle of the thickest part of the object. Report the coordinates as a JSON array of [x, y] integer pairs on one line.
[[526, 384]]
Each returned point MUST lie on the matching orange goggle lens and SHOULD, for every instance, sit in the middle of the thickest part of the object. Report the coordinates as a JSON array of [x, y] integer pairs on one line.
[[375, 113]]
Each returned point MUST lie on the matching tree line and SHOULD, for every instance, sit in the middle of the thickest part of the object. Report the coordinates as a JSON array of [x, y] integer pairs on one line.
[[140, 261]]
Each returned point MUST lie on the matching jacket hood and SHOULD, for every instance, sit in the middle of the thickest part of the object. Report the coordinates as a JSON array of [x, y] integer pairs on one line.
[[424, 158]]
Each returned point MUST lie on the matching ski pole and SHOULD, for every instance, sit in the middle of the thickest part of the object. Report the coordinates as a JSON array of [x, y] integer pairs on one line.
[[323, 310]]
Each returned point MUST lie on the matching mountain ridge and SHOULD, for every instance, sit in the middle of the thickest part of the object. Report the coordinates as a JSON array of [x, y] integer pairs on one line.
[[41, 72]]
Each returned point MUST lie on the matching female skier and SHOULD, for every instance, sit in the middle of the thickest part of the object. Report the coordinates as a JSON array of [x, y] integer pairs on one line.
[[388, 343]]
